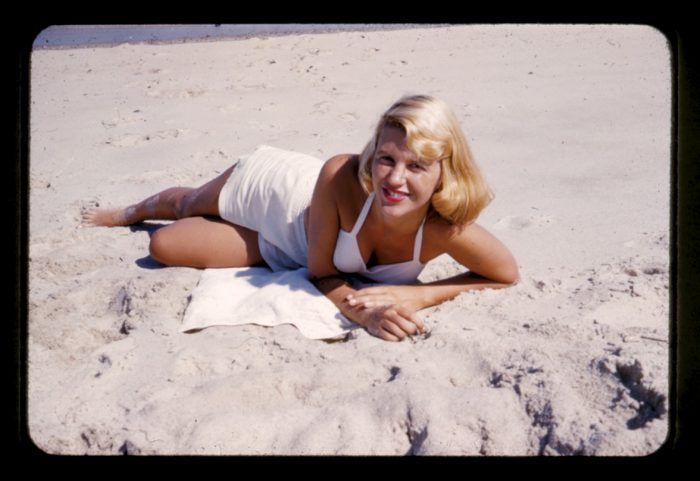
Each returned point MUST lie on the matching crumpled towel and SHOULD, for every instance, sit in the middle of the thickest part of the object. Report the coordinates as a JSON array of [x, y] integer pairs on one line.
[[256, 295]]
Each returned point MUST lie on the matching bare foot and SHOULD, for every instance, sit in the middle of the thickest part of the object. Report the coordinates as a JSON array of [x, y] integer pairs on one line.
[[109, 217]]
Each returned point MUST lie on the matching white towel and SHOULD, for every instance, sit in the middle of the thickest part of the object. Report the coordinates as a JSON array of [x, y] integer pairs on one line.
[[256, 295]]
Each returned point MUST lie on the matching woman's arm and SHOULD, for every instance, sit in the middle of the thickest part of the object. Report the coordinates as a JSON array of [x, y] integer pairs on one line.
[[388, 322], [324, 221], [490, 264], [324, 224]]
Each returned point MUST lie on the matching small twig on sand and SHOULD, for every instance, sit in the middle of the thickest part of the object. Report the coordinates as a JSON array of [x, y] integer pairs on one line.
[[654, 339]]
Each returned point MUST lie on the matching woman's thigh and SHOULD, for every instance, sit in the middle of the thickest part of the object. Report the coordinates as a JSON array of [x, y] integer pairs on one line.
[[205, 242], [204, 200]]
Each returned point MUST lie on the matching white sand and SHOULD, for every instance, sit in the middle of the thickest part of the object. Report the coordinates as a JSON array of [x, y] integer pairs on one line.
[[572, 128]]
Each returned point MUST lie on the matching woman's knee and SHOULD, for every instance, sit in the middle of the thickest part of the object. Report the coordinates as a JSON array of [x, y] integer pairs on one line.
[[201, 242], [161, 247]]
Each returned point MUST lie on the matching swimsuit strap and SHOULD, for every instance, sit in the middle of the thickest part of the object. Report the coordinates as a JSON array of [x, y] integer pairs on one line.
[[363, 215], [419, 242]]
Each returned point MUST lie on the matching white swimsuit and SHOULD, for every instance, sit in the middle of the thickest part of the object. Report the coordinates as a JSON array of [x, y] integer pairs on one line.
[[269, 191], [348, 258]]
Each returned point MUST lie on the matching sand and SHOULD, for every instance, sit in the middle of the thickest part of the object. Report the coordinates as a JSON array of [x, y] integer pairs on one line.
[[571, 125]]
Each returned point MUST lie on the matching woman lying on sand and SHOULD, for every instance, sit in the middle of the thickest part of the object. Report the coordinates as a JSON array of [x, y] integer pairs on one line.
[[411, 195]]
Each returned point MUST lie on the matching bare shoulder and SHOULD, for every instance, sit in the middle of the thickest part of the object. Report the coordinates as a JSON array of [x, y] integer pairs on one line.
[[445, 232], [443, 237], [341, 164], [340, 171]]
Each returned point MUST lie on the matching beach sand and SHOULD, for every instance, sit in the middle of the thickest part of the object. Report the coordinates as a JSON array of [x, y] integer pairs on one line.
[[572, 127]]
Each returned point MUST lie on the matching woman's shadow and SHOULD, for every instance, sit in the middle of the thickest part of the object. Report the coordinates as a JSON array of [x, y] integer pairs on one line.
[[148, 262]]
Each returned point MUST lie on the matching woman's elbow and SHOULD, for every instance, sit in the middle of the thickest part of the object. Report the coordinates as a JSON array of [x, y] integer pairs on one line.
[[512, 280], [510, 276], [318, 271], [506, 274]]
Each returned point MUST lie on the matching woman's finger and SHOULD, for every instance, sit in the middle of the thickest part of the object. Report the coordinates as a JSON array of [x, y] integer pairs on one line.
[[390, 326], [405, 320], [388, 336], [411, 316], [407, 326], [382, 333]]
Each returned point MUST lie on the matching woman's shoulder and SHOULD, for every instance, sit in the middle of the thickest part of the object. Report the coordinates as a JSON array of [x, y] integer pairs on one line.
[[340, 169], [342, 163], [443, 235]]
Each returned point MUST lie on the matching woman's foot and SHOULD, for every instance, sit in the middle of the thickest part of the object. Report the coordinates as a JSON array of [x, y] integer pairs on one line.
[[110, 217]]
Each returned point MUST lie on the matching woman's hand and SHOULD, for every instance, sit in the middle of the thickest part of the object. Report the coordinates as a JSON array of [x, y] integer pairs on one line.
[[387, 312], [386, 295], [391, 323]]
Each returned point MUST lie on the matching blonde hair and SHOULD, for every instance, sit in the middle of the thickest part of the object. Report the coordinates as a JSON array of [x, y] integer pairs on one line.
[[433, 133]]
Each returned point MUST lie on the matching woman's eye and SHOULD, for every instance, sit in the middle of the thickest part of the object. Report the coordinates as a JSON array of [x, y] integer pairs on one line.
[[417, 166], [385, 160]]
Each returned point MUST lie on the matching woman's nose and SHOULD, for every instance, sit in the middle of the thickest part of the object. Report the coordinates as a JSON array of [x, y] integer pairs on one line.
[[397, 175]]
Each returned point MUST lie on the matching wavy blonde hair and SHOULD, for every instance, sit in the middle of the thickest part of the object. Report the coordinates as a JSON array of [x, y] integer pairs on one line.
[[433, 133]]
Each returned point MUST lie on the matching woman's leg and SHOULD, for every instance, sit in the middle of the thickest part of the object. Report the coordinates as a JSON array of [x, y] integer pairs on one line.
[[170, 204], [204, 242]]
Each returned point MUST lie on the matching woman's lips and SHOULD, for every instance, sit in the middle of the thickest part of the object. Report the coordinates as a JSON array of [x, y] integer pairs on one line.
[[393, 195]]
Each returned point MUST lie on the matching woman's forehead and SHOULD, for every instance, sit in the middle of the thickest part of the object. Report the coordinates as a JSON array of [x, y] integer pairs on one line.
[[392, 133], [393, 140]]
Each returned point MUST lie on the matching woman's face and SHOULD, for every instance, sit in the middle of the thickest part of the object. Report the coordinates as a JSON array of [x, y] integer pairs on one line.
[[403, 183]]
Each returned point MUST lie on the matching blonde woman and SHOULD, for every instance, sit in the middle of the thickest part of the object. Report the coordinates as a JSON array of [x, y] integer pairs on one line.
[[413, 194]]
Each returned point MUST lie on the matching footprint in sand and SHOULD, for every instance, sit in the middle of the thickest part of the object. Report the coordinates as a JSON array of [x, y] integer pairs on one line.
[[650, 403], [153, 89], [120, 120], [132, 140], [229, 108], [188, 93], [116, 354], [514, 222], [215, 155], [105, 364], [544, 287], [321, 107], [123, 305], [349, 117], [251, 86]]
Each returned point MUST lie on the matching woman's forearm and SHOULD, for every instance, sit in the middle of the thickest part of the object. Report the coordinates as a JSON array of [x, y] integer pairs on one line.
[[415, 297], [337, 289], [433, 293]]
